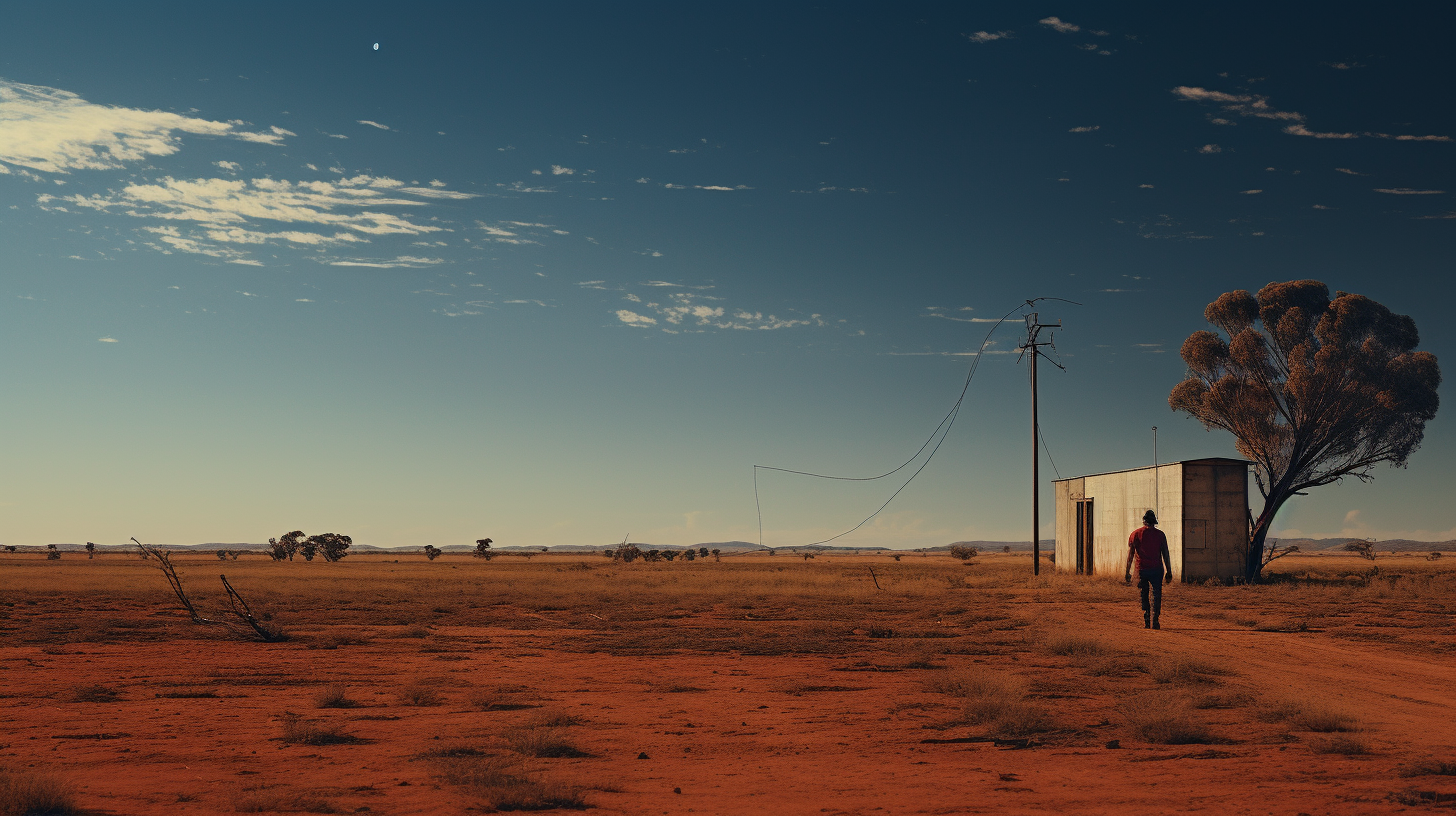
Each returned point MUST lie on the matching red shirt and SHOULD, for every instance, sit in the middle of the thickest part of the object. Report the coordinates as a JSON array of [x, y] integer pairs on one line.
[[1148, 543]]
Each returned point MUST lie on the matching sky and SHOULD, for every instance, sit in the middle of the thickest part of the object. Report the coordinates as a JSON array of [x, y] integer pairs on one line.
[[563, 273]]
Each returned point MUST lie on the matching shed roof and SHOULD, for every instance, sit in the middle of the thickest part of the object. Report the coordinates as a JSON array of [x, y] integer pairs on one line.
[[1210, 460]]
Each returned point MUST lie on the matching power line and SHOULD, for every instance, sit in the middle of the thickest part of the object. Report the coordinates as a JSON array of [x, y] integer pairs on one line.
[[941, 430]]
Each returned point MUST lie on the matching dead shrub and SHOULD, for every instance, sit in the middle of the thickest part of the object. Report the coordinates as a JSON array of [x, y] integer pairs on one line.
[[263, 800], [298, 731], [420, 694], [335, 695], [94, 694], [1343, 745], [506, 786], [1167, 722], [23, 793]]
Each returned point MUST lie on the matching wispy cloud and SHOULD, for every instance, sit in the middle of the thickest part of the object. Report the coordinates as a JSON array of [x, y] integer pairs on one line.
[[373, 124], [1059, 25], [1251, 192], [1210, 148], [696, 312], [720, 187], [403, 261], [987, 36], [107, 340], [1085, 129], [1407, 191], [1347, 171], [56, 131], [558, 170], [1258, 106]]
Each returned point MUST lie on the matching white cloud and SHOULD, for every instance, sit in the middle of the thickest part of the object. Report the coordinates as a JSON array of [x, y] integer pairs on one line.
[[57, 131], [107, 340], [1085, 129], [373, 124], [986, 36], [438, 183], [229, 166], [336, 136], [1145, 186], [223, 202], [1258, 106], [405, 261], [1251, 192], [1407, 191], [634, 319], [1059, 25], [558, 170], [432, 192], [1347, 171], [1210, 148]]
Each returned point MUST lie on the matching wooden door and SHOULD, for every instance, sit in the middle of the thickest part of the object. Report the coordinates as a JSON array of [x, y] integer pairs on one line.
[[1085, 546]]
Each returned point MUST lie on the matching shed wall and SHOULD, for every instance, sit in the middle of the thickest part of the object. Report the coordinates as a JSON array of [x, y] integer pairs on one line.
[[1214, 523], [1119, 501]]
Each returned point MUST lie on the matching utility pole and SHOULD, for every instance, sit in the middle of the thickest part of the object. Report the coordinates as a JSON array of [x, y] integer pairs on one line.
[[1031, 344]]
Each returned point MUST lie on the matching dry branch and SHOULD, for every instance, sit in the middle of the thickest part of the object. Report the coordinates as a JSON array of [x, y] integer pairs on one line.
[[165, 565]]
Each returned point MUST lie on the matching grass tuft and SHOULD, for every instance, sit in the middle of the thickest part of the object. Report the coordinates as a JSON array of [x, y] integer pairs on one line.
[[996, 701], [263, 800], [25, 793], [1183, 671], [544, 741], [1073, 645], [335, 695], [420, 694], [1344, 745], [1429, 767], [298, 731], [1167, 722], [507, 787]]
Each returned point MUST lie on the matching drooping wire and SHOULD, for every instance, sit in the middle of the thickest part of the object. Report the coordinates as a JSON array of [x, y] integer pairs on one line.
[[941, 430]]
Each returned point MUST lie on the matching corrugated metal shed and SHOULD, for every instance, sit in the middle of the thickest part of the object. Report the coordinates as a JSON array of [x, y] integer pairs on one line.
[[1202, 507]]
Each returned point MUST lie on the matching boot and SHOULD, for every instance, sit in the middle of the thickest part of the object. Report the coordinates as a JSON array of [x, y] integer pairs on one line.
[[1146, 624], [1155, 623]]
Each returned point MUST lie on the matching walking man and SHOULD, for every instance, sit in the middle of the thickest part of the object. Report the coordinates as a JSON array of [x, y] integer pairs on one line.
[[1149, 546]]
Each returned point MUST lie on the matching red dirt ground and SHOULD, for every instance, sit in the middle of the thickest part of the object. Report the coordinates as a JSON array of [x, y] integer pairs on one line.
[[740, 735]]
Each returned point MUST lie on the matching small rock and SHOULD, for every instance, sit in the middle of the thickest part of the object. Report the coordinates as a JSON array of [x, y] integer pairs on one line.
[[1113, 744], [643, 755], [677, 790]]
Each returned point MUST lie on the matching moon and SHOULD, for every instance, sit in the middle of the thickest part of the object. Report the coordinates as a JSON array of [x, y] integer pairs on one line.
[[376, 46]]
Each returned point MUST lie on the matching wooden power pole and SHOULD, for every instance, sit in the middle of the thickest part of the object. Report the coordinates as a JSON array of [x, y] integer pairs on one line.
[[1033, 328]]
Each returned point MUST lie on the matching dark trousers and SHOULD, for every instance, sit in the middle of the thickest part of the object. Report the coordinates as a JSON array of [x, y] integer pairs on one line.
[[1151, 578]]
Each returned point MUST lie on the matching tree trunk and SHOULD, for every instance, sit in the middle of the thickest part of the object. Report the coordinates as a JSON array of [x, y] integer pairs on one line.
[[1254, 562]]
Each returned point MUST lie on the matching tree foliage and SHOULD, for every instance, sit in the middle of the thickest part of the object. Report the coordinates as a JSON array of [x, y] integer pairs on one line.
[[432, 552], [1312, 389]]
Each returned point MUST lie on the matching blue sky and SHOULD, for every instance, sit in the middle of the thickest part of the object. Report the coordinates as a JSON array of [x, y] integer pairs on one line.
[[558, 273]]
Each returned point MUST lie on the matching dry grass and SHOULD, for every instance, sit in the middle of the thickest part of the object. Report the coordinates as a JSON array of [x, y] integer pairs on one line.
[[1311, 717], [26, 793], [335, 695], [543, 741], [1429, 767], [1166, 721], [1183, 671], [506, 787], [298, 731], [504, 698], [1074, 645], [1344, 745], [265, 800], [996, 701], [420, 694]]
